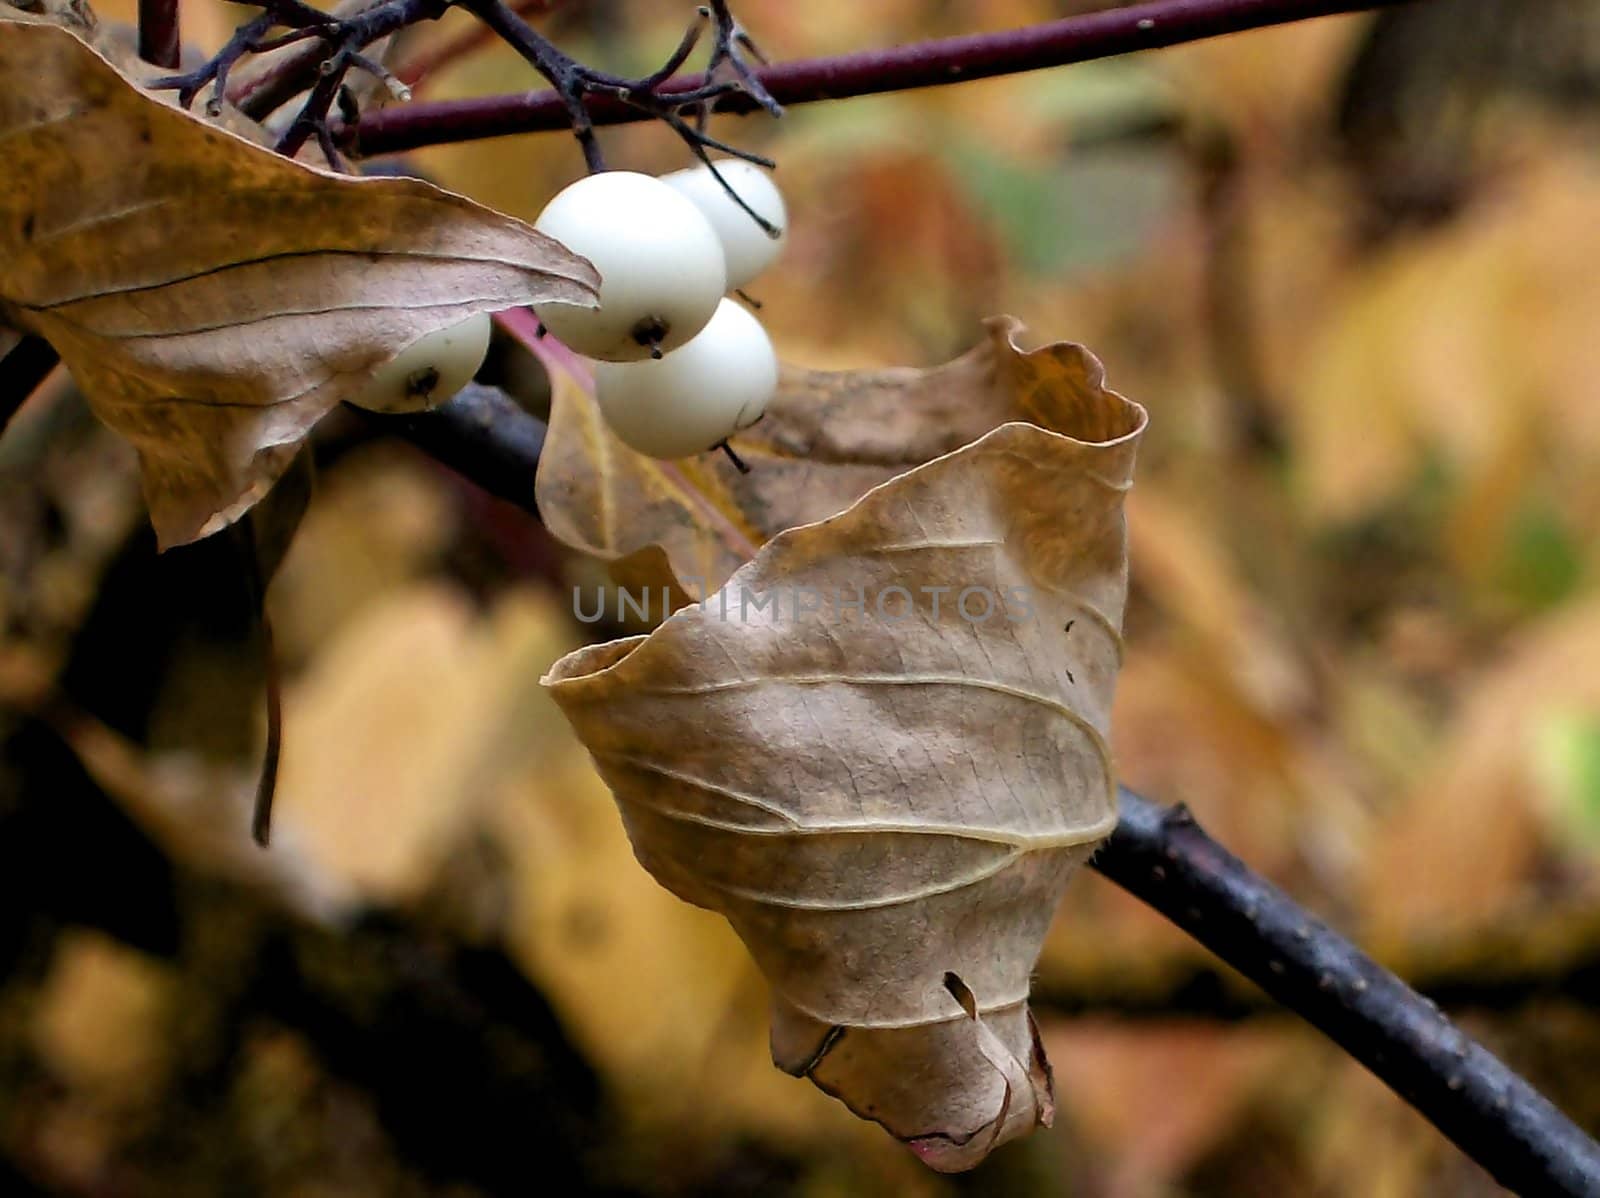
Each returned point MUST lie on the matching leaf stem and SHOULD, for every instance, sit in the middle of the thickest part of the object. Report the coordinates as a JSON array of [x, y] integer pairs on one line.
[[919, 64]]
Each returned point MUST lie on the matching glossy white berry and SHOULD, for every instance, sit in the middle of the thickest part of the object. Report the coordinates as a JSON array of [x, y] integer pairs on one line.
[[748, 248], [660, 263], [697, 396], [429, 371]]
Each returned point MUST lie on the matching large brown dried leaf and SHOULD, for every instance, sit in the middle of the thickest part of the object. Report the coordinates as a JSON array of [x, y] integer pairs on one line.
[[827, 439], [211, 298], [886, 803]]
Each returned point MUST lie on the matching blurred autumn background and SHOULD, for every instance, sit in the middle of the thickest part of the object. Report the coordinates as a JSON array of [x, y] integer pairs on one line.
[[1350, 266]]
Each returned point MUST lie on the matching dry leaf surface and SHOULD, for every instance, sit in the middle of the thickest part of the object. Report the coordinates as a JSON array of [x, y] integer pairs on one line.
[[881, 748], [828, 437], [211, 298]]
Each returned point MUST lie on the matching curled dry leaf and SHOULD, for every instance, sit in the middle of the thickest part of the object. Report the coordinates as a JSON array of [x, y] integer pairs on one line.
[[211, 298], [827, 438], [880, 748]]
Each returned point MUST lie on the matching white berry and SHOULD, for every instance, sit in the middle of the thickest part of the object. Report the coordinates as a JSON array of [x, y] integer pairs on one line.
[[428, 371], [697, 396], [748, 248], [660, 263]]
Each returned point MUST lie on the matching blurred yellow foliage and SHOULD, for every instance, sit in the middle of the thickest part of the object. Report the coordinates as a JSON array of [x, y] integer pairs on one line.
[[1347, 646]]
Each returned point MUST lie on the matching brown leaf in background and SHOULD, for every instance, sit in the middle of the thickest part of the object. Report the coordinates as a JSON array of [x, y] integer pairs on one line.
[[886, 802], [211, 298], [827, 438]]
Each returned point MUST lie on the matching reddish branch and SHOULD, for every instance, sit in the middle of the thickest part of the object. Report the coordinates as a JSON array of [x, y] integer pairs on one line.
[[920, 64], [159, 41]]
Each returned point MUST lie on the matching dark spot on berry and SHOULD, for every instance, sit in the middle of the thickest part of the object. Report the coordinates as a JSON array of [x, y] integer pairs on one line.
[[651, 331], [423, 382], [27, 227]]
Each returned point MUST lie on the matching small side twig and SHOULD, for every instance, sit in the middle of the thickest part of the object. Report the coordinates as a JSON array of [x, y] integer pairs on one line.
[[259, 97], [342, 40], [574, 83], [733, 42], [430, 59]]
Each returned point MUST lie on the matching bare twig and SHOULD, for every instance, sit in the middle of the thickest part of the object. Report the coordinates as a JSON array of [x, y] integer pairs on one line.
[[340, 41], [1162, 856], [21, 371], [575, 84], [919, 64], [263, 94], [732, 44], [256, 587], [430, 59]]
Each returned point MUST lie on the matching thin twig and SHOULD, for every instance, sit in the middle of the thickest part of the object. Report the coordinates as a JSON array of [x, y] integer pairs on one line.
[[732, 44], [248, 553], [575, 84], [919, 64], [262, 95], [1161, 855], [272, 754], [321, 66], [21, 371], [160, 42], [430, 59]]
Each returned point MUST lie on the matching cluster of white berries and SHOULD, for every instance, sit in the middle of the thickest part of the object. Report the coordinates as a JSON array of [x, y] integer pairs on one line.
[[680, 367]]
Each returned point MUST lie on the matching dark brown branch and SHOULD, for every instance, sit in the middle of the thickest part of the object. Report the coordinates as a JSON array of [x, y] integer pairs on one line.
[[21, 371], [1161, 855], [159, 40], [920, 64], [481, 434], [265, 94]]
